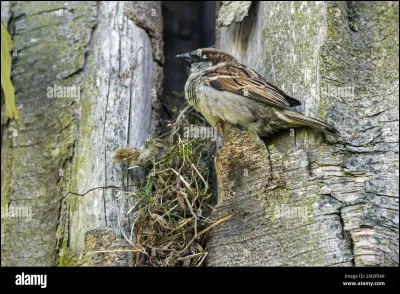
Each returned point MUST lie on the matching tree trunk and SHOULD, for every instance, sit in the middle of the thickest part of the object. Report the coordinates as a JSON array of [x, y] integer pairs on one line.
[[298, 200], [111, 51]]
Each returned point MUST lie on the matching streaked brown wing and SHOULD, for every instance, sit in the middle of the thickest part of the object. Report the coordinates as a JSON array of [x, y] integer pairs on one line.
[[242, 80]]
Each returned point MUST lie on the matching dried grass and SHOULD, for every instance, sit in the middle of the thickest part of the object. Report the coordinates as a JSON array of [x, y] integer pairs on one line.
[[174, 201]]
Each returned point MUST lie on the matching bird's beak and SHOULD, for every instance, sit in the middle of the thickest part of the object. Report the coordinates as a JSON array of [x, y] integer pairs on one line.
[[185, 57]]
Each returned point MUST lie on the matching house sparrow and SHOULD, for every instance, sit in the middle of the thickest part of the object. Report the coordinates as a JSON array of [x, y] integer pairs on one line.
[[223, 90]]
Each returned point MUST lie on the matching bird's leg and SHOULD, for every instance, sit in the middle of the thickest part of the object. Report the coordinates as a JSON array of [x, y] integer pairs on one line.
[[220, 126], [220, 129]]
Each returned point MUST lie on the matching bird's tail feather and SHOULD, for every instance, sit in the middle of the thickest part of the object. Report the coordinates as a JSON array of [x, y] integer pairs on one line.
[[302, 120]]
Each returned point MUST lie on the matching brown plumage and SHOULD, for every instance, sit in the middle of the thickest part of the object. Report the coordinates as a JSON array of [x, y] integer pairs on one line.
[[224, 90], [242, 80]]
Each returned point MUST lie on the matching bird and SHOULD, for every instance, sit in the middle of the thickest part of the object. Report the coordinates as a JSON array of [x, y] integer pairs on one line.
[[226, 91]]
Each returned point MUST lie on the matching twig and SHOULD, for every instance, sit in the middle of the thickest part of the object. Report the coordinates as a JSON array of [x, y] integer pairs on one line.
[[202, 259], [138, 237], [190, 256], [116, 250], [201, 177], [90, 190], [224, 218]]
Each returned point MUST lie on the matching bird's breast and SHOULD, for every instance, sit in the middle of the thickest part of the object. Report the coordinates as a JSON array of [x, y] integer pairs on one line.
[[190, 89]]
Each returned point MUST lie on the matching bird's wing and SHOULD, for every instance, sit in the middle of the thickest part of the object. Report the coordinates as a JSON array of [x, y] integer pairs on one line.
[[242, 80]]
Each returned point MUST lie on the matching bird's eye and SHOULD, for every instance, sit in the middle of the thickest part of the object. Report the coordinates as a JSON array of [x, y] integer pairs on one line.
[[198, 56]]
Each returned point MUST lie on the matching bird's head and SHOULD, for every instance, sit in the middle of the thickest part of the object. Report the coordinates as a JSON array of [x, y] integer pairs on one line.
[[202, 59]]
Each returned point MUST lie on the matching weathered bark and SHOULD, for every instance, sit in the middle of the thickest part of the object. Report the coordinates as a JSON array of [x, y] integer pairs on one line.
[[116, 112], [67, 144], [298, 200]]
